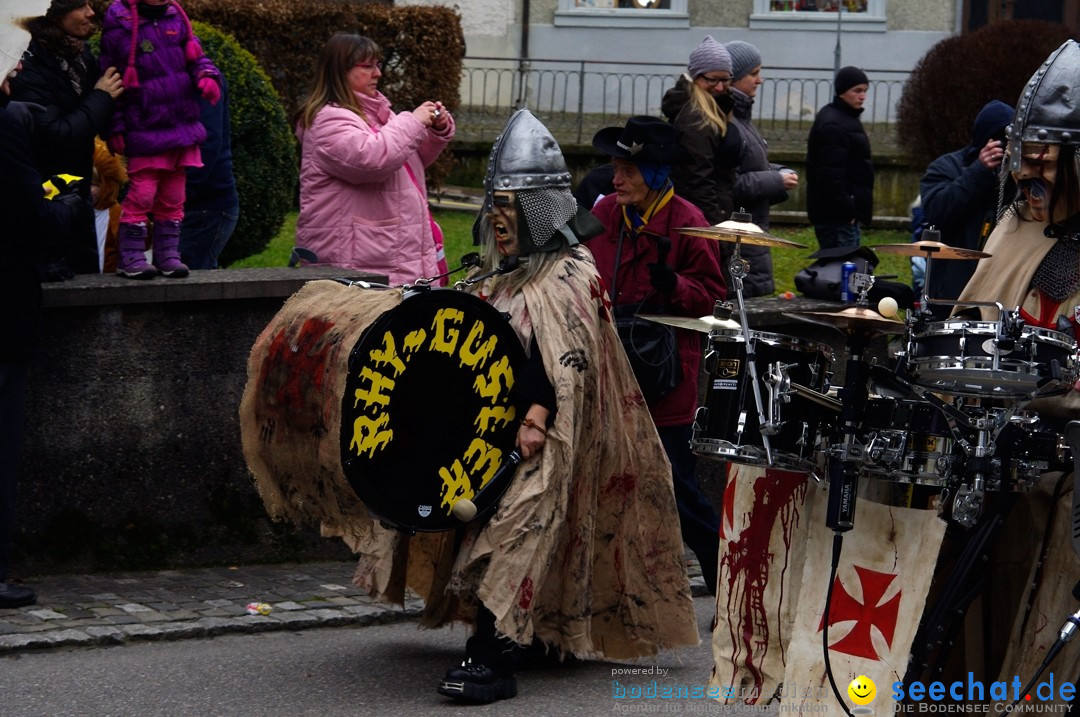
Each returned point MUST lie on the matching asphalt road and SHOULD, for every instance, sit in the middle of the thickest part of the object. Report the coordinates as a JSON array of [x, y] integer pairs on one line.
[[374, 670]]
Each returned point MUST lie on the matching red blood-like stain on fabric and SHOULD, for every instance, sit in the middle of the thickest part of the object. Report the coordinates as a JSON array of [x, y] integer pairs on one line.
[[727, 518], [598, 291], [866, 614], [292, 374], [620, 484], [525, 593], [778, 495]]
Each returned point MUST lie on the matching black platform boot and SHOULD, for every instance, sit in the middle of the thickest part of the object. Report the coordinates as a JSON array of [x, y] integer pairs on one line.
[[487, 672]]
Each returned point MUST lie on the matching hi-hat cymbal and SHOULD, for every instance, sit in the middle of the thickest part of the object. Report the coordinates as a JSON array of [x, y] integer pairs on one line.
[[744, 232], [932, 249], [705, 324], [854, 319]]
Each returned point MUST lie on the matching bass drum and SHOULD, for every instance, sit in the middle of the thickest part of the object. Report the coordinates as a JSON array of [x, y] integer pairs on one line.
[[370, 405], [427, 416]]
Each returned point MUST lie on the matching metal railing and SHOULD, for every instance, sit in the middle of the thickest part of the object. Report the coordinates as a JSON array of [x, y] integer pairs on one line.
[[574, 98]]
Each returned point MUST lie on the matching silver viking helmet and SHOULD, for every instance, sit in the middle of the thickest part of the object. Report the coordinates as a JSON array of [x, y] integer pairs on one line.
[[1048, 111], [527, 160]]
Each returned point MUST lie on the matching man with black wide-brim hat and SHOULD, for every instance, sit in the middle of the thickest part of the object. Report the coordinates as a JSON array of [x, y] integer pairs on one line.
[[649, 267]]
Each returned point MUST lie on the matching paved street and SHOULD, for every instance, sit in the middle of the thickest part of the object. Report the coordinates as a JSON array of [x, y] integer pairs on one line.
[[115, 608], [368, 666]]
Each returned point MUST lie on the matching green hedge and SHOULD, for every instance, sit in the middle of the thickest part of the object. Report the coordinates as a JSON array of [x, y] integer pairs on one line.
[[264, 149], [960, 74]]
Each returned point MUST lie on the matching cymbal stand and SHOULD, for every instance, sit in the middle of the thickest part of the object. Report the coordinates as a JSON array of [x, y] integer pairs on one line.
[[845, 457], [739, 269]]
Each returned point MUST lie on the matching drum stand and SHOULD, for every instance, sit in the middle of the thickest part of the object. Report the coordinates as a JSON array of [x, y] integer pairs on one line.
[[740, 268]]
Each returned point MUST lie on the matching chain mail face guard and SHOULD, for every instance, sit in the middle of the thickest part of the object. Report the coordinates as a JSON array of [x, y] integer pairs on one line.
[[541, 212]]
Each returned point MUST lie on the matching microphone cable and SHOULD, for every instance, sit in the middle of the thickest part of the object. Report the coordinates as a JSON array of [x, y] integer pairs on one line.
[[838, 545]]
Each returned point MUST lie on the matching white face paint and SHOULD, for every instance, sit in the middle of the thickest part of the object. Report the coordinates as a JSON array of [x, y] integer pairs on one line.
[[1038, 172], [504, 221]]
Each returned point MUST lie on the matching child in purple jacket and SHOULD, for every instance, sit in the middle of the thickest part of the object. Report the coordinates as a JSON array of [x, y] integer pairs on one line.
[[156, 124]]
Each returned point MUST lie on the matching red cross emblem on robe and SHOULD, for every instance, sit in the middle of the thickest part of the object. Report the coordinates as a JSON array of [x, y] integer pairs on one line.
[[866, 615]]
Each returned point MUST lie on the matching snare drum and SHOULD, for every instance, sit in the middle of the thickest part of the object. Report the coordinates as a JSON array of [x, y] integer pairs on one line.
[[367, 404], [908, 441], [957, 357], [727, 427]]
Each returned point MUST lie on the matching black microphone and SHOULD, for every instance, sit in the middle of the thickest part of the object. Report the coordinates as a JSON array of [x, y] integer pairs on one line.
[[843, 485]]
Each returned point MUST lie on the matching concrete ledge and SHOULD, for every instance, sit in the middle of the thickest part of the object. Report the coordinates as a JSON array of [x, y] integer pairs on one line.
[[109, 289]]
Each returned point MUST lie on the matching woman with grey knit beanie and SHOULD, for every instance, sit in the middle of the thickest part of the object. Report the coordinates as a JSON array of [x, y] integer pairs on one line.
[[759, 183], [699, 105]]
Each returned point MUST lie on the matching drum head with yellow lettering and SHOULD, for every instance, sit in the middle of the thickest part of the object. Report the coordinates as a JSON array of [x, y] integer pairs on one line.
[[427, 417]]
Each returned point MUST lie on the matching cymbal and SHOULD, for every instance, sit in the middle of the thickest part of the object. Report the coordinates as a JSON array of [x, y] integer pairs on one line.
[[705, 324], [854, 319], [933, 249], [744, 232]]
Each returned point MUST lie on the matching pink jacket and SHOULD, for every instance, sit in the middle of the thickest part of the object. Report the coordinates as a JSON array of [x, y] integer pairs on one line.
[[358, 206]]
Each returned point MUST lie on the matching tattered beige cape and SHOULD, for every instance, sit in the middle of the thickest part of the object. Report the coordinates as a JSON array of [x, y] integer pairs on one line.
[[584, 550], [1018, 248]]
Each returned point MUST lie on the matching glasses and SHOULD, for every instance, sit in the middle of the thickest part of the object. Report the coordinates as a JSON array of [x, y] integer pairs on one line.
[[369, 66], [714, 81]]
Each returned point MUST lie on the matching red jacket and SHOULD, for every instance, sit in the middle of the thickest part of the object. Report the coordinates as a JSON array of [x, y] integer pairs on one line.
[[697, 287]]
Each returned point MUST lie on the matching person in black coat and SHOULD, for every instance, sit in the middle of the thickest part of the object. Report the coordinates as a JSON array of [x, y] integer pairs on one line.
[[959, 194], [700, 105], [32, 226], [72, 101], [211, 204], [839, 169]]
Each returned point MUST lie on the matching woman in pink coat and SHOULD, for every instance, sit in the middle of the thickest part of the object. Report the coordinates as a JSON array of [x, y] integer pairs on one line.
[[362, 199]]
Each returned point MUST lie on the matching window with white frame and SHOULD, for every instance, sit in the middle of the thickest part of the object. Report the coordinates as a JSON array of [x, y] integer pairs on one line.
[[865, 15], [622, 13]]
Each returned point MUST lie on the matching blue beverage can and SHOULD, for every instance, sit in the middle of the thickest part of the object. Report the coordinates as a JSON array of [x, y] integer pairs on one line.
[[847, 271]]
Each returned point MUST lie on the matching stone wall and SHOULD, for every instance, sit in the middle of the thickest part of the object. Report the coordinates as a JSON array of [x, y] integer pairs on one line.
[[132, 447], [132, 455]]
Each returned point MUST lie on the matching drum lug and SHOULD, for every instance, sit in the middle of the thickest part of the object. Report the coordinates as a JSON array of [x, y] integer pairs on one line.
[[701, 419]]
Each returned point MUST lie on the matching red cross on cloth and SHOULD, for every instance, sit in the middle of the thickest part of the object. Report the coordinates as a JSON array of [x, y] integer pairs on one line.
[[866, 614]]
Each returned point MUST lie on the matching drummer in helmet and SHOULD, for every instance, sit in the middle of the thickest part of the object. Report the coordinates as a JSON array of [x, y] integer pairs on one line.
[[1035, 265], [583, 555]]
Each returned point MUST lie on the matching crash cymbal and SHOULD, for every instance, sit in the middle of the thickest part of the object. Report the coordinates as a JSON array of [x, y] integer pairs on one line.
[[744, 232], [932, 249], [705, 324], [855, 319]]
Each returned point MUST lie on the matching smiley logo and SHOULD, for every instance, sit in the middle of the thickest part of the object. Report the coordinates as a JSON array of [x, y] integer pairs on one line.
[[862, 690]]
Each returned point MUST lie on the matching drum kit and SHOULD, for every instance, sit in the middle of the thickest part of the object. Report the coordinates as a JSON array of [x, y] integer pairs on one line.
[[952, 413]]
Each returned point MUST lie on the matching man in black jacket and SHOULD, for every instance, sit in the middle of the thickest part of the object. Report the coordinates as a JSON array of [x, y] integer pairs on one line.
[[32, 225], [74, 103], [839, 170], [960, 192]]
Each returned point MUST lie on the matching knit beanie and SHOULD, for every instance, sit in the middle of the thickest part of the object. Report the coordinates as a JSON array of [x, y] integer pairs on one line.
[[848, 77], [708, 56], [192, 49], [59, 8], [744, 57]]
